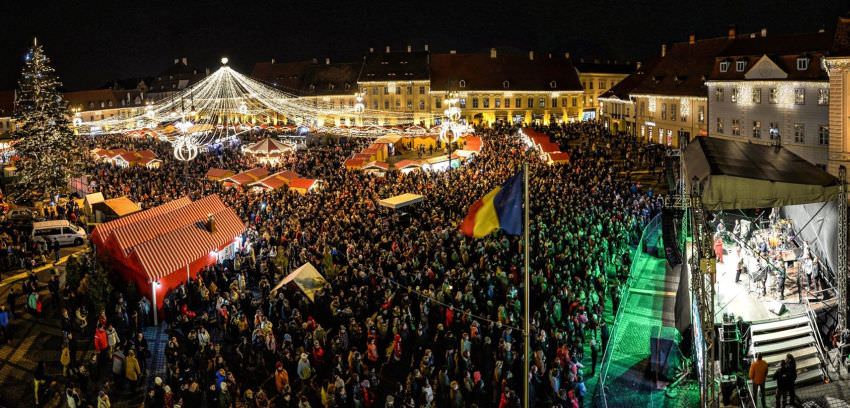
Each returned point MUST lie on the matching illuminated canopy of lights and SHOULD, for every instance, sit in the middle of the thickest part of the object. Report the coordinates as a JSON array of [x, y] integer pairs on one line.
[[227, 103]]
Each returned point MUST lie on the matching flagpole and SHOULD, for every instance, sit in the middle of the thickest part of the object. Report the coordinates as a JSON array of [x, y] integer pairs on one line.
[[527, 328]]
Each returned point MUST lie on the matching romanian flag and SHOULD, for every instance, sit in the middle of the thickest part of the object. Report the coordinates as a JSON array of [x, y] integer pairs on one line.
[[500, 208]]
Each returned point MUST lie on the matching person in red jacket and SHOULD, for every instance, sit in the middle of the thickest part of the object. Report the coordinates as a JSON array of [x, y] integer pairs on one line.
[[101, 342]]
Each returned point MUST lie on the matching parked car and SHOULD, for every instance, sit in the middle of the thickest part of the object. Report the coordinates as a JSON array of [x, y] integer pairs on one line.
[[58, 230], [22, 217]]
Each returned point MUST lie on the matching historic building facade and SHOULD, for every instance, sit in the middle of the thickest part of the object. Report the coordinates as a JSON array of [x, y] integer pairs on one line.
[[838, 67], [773, 90]]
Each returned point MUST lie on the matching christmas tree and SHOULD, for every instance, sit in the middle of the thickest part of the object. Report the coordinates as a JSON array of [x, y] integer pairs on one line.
[[48, 149]]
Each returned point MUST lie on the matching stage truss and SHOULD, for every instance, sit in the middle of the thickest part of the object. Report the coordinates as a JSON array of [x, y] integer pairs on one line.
[[227, 103]]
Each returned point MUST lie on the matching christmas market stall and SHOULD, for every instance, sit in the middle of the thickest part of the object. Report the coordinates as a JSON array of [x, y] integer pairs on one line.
[[160, 248]]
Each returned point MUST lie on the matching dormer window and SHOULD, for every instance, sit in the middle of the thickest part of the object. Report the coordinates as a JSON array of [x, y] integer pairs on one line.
[[347, 86], [740, 66], [724, 66], [802, 63], [553, 84], [461, 83], [506, 84]]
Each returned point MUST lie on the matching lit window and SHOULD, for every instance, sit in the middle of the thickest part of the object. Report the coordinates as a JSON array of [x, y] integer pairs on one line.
[[823, 96], [719, 126], [823, 135], [724, 66], [733, 95], [421, 105], [541, 102], [773, 96], [756, 95], [672, 111], [756, 129], [799, 133], [486, 102], [718, 94], [497, 102], [474, 103], [736, 127], [799, 96], [518, 102]]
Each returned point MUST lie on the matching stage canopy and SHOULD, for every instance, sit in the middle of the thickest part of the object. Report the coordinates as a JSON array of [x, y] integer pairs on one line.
[[401, 201], [739, 175]]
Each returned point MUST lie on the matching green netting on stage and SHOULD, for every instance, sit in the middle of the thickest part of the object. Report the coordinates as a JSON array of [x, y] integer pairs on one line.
[[647, 295]]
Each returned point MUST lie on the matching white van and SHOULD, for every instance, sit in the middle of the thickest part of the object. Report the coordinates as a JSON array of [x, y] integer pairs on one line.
[[58, 230]]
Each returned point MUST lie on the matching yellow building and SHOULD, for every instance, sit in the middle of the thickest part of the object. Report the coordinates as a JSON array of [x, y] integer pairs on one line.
[[671, 99], [399, 83], [838, 67], [596, 78], [507, 88]]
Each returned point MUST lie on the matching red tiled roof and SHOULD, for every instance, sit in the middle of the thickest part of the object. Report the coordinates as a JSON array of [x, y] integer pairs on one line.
[[481, 72], [559, 156], [104, 231], [304, 183], [249, 176], [354, 163], [181, 237], [684, 69], [276, 180], [377, 164], [401, 164], [218, 174]]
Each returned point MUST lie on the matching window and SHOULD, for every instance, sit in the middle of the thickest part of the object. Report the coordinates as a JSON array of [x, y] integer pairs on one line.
[[518, 102], [421, 105], [507, 102], [799, 133], [541, 102], [398, 103], [375, 105], [438, 103], [823, 96], [740, 66], [823, 135], [409, 104], [421, 90], [774, 131], [736, 127], [506, 84], [663, 111], [590, 100], [719, 125], [756, 129], [756, 95], [724, 66], [497, 102], [474, 103], [642, 130], [773, 95], [590, 84], [410, 90], [386, 90], [386, 104], [461, 84], [733, 95], [701, 114], [554, 102], [718, 94], [802, 64], [463, 102], [575, 101], [601, 84], [553, 85], [799, 96], [530, 103], [486, 102], [672, 111], [398, 90]]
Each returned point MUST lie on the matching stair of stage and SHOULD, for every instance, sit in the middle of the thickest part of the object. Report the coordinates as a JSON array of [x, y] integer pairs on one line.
[[776, 338]]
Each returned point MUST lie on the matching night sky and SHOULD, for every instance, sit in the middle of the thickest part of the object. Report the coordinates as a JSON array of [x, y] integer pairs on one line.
[[91, 42]]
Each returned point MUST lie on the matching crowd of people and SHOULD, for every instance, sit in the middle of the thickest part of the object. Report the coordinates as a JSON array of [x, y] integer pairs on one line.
[[414, 313]]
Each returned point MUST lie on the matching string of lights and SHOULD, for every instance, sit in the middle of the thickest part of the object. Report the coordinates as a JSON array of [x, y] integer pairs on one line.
[[227, 103]]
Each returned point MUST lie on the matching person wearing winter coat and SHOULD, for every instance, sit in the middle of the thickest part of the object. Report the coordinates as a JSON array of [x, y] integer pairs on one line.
[[132, 370]]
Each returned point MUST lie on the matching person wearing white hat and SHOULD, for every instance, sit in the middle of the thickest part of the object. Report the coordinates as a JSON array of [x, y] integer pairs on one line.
[[304, 369]]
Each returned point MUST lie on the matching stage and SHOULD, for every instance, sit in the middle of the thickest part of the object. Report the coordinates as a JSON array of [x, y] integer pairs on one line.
[[745, 299]]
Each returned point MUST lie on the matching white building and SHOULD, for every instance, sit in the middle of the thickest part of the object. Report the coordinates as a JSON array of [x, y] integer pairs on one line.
[[773, 90]]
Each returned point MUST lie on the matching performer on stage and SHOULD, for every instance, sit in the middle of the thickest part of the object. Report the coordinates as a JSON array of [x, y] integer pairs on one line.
[[718, 248], [781, 281], [739, 269]]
